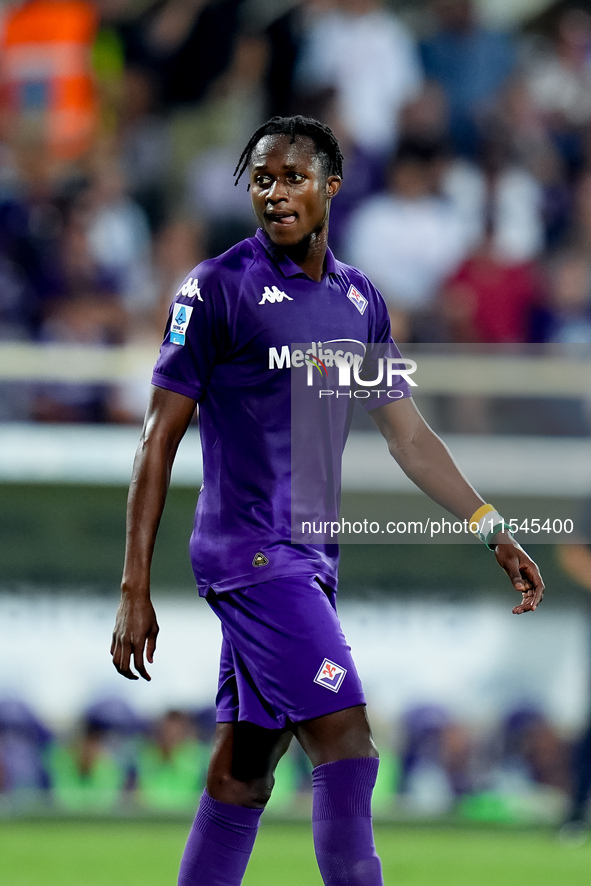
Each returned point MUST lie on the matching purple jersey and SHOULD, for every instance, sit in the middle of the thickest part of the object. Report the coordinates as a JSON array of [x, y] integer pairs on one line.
[[229, 345]]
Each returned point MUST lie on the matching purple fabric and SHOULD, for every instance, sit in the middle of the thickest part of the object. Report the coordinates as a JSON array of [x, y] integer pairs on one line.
[[234, 332], [219, 844], [341, 822], [284, 654]]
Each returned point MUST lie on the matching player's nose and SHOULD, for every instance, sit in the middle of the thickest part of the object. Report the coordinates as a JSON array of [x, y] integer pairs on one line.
[[276, 192]]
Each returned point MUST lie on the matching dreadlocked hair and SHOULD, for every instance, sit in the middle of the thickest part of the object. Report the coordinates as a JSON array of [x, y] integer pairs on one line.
[[323, 138]]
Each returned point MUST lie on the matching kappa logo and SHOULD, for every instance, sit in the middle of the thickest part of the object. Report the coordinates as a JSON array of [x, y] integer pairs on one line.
[[358, 300], [274, 295], [181, 314], [190, 289], [330, 675]]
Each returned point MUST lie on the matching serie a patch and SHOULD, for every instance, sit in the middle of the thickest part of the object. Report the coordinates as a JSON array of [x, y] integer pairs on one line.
[[330, 675], [181, 314]]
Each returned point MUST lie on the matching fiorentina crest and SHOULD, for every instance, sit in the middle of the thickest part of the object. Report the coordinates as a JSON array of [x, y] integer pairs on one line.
[[357, 298], [330, 675]]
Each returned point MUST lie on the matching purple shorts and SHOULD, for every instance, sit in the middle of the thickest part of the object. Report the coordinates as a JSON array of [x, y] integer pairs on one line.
[[284, 655]]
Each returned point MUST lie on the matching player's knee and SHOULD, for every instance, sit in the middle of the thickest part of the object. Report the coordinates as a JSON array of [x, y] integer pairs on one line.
[[340, 736], [254, 794], [260, 794], [372, 750]]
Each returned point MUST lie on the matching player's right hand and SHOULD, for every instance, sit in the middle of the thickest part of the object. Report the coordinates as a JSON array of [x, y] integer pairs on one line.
[[135, 630]]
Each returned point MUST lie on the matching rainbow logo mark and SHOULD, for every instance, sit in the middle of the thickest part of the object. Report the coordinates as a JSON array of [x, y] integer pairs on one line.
[[317, 363]]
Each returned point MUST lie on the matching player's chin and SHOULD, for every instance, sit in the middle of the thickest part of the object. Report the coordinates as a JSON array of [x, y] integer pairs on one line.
[[284, 235]]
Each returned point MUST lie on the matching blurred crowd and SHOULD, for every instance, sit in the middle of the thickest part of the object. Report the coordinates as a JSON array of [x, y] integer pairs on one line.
[[467, 176], [116, 761]]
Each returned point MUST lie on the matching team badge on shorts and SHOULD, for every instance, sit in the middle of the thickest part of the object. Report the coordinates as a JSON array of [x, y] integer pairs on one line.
[[358, 300], [330, 675], [260, 560]]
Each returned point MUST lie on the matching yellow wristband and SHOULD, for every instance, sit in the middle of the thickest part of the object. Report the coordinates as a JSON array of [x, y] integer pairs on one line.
[[486, 522], [482, 510]]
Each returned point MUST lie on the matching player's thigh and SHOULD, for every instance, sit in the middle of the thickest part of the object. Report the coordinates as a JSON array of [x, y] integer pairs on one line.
[[245, 754], [342, 735]]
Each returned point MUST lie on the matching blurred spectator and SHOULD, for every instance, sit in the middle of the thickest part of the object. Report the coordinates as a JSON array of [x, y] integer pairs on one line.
[[471, 64], [409, 240], [32, 214], [118, 235], [108, 60], [84, 774], [519, 125], [436, 760], [178, 247], [364, 173], [500, 198], [171, 769], [186, 44], [284, 36], [78, 269], [568, 306], [579, 234], [88, 309], [47, 94], [362, 52], [23, 739], [531, 752], [426, 115], [490, 299], [114, 716], [559, 79], [226, 122], [144, 144], [83, 320]]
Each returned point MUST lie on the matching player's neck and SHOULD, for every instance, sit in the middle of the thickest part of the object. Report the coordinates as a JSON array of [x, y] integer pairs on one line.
[[310, 254]]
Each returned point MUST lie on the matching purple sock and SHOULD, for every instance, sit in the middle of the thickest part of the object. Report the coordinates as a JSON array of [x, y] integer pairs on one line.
[[219, 844], [341, 822]]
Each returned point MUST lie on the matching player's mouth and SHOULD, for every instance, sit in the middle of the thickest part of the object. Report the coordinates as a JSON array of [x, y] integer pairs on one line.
[[281, 218]]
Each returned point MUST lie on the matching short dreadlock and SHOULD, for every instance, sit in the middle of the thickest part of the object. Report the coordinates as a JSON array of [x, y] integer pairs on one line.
[[323, 138]]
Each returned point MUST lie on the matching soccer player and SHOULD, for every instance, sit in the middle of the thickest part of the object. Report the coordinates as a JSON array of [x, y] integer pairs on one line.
[[286, 668]]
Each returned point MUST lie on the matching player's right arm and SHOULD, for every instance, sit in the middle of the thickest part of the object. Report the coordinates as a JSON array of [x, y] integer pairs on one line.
[[136, 628]]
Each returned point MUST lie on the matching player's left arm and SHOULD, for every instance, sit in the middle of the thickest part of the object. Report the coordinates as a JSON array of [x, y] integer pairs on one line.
[[427, 461]]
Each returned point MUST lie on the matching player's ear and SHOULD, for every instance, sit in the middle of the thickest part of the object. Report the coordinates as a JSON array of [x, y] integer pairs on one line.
[[333, 183]]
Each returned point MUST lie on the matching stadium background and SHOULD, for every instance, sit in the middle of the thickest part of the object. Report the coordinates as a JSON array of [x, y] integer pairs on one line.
[[465, 130]]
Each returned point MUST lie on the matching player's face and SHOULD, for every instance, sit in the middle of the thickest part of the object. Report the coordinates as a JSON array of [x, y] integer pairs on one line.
[[289, 189]]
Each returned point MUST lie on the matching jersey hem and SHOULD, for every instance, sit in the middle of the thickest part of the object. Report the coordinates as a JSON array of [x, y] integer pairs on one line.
[[239, 583], [172, 384]]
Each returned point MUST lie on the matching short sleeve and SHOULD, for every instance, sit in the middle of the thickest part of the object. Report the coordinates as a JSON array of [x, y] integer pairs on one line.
[[382, 348], [195, 335]]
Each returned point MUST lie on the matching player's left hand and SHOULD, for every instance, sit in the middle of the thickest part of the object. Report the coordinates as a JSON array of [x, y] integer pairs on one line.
[[523, 573], [136, 630]]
